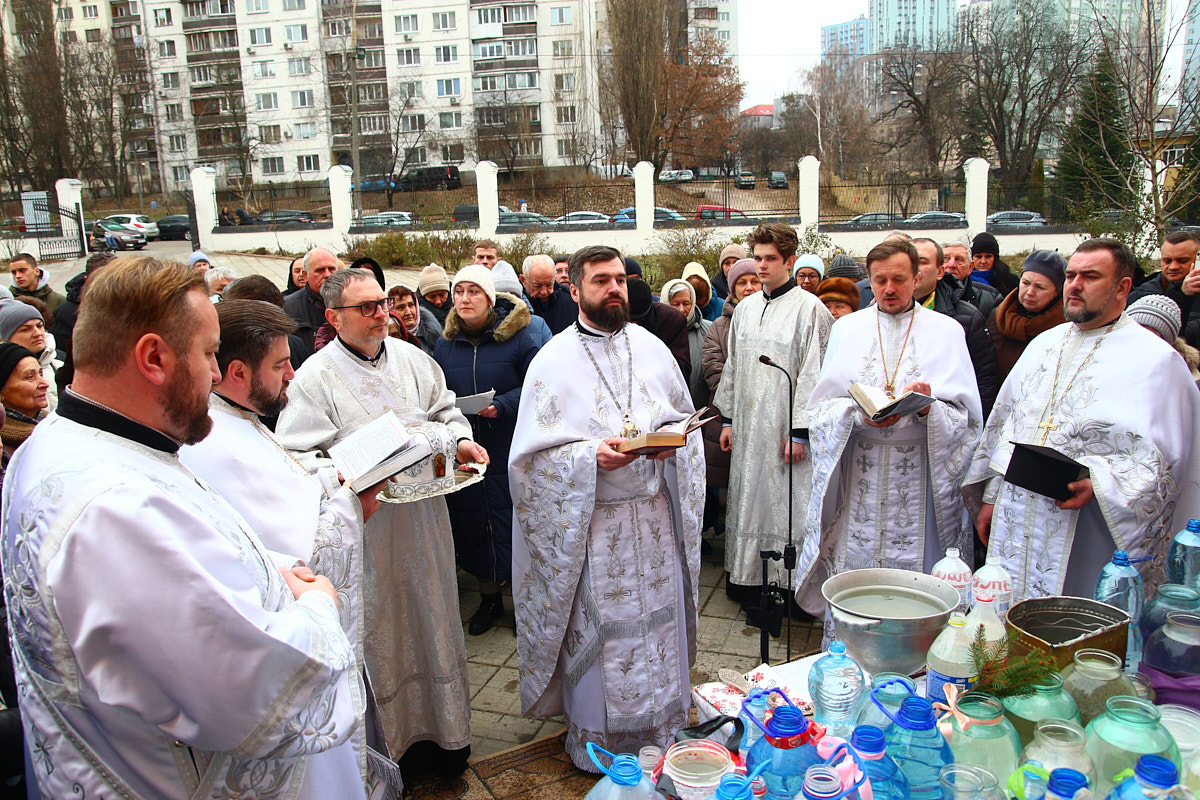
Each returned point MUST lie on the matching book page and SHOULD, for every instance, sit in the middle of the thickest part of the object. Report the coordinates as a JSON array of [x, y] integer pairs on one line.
[[474, 403], [369, 446]]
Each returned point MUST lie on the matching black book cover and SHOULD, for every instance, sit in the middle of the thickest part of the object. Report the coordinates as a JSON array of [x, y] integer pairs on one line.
[[1043, 470]]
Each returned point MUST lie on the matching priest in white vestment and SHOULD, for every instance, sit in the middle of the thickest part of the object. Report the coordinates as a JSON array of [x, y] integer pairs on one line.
[[414, 647], [889, 493], [768, 439], [607, 561], [160, 654], [1106, 392]]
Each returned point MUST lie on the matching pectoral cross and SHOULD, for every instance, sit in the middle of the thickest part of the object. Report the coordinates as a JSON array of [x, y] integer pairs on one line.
[[1048, 425]]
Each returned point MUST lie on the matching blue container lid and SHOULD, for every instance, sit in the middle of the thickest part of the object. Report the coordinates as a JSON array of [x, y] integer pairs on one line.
[[1156, 771], [1193, 525], [1121, 558], [867, 739], [1065, 782], [916, 714], [734, 787], [837, 646], [786, 721], [625, 770]]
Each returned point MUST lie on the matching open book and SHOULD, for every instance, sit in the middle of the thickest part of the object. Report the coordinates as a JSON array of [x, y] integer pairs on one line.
[[877, 405], [377, 451], [671, 437]]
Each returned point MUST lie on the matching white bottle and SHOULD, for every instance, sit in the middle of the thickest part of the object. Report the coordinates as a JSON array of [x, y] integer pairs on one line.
[[949, 660], [983, 613], [996, 581], [954, 571]]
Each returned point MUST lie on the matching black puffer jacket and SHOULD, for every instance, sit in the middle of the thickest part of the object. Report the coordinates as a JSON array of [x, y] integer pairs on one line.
[[63, 329], [559, 310], [983, 297], [948, 300]]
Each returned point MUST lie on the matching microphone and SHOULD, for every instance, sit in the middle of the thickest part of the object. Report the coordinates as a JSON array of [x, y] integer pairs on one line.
[[765, 359]]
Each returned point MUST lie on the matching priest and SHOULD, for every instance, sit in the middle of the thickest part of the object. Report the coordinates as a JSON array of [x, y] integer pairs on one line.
[[1110, 394], [889, 493], [606, 563], [414, 645], [766, 436]]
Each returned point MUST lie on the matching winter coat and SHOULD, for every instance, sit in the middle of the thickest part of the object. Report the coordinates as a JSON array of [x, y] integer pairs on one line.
[[308, 309], [63, 330], [983, 297], [712, 360], [439, 312], [948, 300], [697, 329], [481, 515], [714, 308], [558, 310], [1188, 310], [43, 292], [1012, 328], [671, 328], [999, 277], [720, 284], [429, 330]]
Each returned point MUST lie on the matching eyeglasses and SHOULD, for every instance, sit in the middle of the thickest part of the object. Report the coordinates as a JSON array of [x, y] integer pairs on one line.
[[369, 308]]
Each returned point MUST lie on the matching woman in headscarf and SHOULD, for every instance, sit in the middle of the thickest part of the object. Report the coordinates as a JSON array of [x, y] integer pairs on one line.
[[1031, 308], [23, 395], [681, 295]]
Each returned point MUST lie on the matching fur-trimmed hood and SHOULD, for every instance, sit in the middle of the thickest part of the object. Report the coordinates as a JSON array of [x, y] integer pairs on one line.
[[512, 315], [1190, 355]]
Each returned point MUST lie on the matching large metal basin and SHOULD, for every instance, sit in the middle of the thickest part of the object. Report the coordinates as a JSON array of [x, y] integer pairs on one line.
[[888, 618]]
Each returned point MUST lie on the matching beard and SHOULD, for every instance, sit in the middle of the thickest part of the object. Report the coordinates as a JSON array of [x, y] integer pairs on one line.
[[1083, 316], [604, 316], [187, 412], [263, 401]]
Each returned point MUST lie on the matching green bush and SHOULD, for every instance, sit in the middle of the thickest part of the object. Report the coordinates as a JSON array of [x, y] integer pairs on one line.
[[677, 246], [451, 248], [529, 243]]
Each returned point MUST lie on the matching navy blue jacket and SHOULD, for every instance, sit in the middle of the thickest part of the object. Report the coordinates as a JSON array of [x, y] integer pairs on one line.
[[559, 310]]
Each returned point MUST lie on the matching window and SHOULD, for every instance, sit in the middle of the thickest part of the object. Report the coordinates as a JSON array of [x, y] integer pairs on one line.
[[120, 10], [337, 27], [411, 123], [272, 165], [449, 87], [70, 37], [225, 40], [529, 147], [202, 74], [706, 13], [521, 80], [453, 153], [170, 80], [1174, 155], [267, 101], [308, 163], [305, 130], [264, 69], [521, 47], [177, 143], [179, 174], [91, 12], [487, 83], [723, 35], [564, 82], [565, 115], [564, 48], [448, 120], [409, 89], [299, 66], [371, 30], [295, 33], [485, 50], [446, 54], [166, 49], [566, 148], [375, 123], [194, 9], [409, 56], [162, 17], [490, 16], [257, 6], [722, 16], [270, 134], [174, 112], [520, 14], [415, 155], [373, 59], [491, 116], [293, 5], [560, 16], [372, 91], [260, 37], [406, 23], [443, 21], [93, 35], [302, 98]]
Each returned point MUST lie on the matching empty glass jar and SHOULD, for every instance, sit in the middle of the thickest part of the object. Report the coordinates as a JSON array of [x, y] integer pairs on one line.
[[1049, 700], [1170, 597], [1175, 647], [981, 734], [1128, 728], [1184, 725], [964, 781], [1092, 678], [1060, 743]]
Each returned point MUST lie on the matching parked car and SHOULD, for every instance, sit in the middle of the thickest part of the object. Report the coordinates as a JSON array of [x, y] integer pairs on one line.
[[108, 234], [137, 222], [175, 226], [374, 183], [719, 212], [524, 219], [668, 176], [936, 219], [469, 214], [684, 176], [388, 219], [282, 216], [580, 218], [13, 224], [874, 220], [744, 180], [1126, 220], [627, 216], [777, 180], [424, 178], [1016, 219]]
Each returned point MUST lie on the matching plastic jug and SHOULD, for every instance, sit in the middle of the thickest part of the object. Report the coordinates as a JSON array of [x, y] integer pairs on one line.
[[1065, 783], [918, 748], [887, 692], [1153, 773], [623, 778], [887, 780], [995, 580], [735, 786], [835, 684], [1120, 585], [1183, 559], [754, 716], [948, 661], [954, 571], [785, 751]]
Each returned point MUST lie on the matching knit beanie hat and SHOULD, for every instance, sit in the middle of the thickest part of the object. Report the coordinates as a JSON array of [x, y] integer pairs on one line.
[[632, 267], [433, 279], [1049, 264], [843, 289], [843, 266], [1159, 313], [198, 255], [11, 355], [14, 314], [743, 266], [677, 285], [736, 250], [811, 260], [479, 275], [506, 278], [985, 243], [640, 298]]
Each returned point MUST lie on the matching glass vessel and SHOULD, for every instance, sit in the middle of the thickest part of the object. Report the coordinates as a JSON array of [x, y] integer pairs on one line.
[[1142, 685], [1049, 700], [1092, 678], [965, 781], [1184, 725], [1170, 597], [1175, 647], [1060, 743], [889, 690], [1128, 728], [986, 737]]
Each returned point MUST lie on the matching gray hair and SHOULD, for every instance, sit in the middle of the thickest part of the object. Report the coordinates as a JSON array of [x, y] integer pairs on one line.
[[958, 241], [337, 283], [215, 274], [536, 261], [308, 257]]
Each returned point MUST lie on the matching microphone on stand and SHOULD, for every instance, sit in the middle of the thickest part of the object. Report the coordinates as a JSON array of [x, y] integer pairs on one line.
[[789, 552]]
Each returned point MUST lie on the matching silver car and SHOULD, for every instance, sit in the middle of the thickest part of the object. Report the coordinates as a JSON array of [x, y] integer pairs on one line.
[[580, 218], [139, 223], [389, 219]]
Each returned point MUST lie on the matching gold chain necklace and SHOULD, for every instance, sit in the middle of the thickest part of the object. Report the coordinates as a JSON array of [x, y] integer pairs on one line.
[[889, 383], [1048, 424]]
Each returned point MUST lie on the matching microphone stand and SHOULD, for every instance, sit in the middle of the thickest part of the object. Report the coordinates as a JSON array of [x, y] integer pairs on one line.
[[789, 552]]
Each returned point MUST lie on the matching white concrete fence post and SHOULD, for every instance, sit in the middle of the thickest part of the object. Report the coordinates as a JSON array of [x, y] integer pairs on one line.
[[643, 196], [976, 203], [204, 195], [341, 197], [809, 171], [487, 192], [70, 198]]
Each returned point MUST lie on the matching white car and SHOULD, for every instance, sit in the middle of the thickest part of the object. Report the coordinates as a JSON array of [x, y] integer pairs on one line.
[[582, 218], [138, 223], [396, 219]]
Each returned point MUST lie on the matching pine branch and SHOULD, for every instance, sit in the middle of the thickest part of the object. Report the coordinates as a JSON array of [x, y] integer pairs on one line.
[[1002, 674]]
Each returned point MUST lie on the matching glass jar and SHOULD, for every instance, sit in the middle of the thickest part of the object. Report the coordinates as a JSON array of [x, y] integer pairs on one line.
[[1048, 700], [981, 734], [1128, 728], [1092, 678], [1184, 725], [1060, 743], [1142, 685], [1170, 597], [889, 690], [965, 781], [1175, 647]]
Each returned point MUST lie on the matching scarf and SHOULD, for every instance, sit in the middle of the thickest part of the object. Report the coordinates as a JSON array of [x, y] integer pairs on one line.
[[1020, 325], [474, 334], [17, 428]]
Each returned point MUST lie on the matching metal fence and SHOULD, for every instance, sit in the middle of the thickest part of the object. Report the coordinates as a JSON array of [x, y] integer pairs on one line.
[[606, 198], [434, 208], [901, 198], [272, 199]]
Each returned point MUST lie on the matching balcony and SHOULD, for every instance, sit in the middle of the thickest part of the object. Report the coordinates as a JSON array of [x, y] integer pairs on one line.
[[503, 65], [491, 30], [520, 28], [207, 22]]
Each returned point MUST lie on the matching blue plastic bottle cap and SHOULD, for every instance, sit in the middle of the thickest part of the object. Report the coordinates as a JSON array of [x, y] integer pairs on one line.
[[1157, 771], [734, 787], [837, 646], [1121, 558], [786, 721], [1065, 782], [625, 770], [916, 714], [1193, 525], [867, 739]]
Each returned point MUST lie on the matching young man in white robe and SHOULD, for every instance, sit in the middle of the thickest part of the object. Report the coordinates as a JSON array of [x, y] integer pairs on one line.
[[303, 518], [160, 653], [889, 493], [607, 561], [414, 646], [1110, 394], [766, 436]]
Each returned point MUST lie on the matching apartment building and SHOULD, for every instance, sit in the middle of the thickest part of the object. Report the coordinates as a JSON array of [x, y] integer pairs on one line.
[[845, 38], [716, 18], [909, 23]]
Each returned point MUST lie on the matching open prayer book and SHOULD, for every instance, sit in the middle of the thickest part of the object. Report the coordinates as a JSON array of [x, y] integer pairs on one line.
[[671, 437], [878, 406], [377, 451]]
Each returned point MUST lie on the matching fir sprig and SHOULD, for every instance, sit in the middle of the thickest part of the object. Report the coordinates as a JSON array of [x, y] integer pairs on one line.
[[1000, 673]]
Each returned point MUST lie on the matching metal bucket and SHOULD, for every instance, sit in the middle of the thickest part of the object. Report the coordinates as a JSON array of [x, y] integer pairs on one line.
[[889, 643], [1062, 625]]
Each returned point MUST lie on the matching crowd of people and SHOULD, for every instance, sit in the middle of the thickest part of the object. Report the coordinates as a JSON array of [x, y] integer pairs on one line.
[[200, 604]]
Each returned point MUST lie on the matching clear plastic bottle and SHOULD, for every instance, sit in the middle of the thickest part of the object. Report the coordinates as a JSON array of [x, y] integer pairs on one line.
[[918, 748], [754, 708], [822, 782], [1153, 773], [623, 778], [887, 780], [1183, 559], [949, 660], [886, 693], [984, 613], [995, 580], [836, 684], [733, 787], [1120, 585], [787, 750], [954, 571]]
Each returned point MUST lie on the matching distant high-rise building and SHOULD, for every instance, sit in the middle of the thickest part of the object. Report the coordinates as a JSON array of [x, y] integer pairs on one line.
[[715, 18], [909, 23], [1189, 101], [845, 38]]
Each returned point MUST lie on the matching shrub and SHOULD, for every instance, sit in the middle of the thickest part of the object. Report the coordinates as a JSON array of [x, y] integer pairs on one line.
[[529, 243]]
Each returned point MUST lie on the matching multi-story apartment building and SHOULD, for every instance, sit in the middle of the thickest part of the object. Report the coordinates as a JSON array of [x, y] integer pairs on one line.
[[717, 18], [1189, 86], [845, 38], [909, 23]]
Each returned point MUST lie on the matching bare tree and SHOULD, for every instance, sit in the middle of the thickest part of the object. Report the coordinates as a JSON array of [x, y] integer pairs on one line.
[[39, 78], [507, 129], [835, 100], [104, 98], [923, 120], [16, 141]]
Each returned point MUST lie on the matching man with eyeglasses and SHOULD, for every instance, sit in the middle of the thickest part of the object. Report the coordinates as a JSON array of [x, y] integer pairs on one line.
[[306, 306], [414, 646], [549, 299]]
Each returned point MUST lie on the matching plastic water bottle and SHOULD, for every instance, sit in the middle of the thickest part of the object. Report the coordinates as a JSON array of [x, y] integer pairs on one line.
[[835, 684], [1065, 783], [623, 778], [949, 660], [1183, 560], [995, 579], [822, 783], [1151, 772], [983, 613], [918, 748], [1121, 585], [753, 708], [887, 781], [954, 571], [784, 753]]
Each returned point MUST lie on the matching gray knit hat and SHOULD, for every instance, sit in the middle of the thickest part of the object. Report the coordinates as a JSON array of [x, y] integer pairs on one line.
[[14, 314], [843, 266], [1160, 314]]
